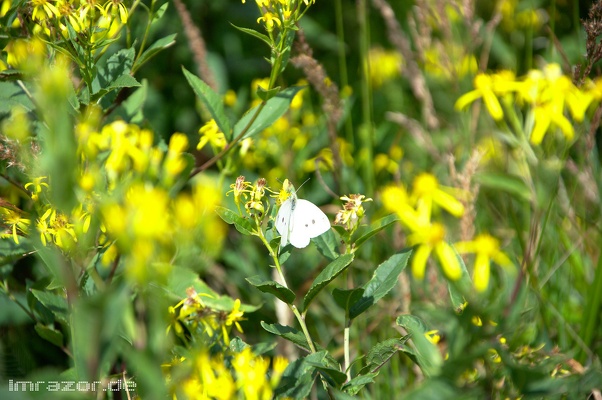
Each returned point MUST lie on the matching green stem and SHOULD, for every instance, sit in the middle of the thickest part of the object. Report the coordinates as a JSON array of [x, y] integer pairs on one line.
[[366, 130], [293, 308], [11, 297], [145, 37], [343, 63], [589, 324]]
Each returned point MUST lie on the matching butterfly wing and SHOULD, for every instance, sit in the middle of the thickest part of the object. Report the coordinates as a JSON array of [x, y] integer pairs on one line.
[[307, 221], [283, 221]]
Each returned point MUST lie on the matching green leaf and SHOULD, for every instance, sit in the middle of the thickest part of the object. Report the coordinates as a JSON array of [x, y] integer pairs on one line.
[[427, 354], [53, 302], [345, 298], [254, 33], [273, 287], [237, 345], [180, 279], [50, 334], [335, 377], [115, 74], [437, 389], [131, 109], [357, 383], [327, 245], [267, 94], [460, 286], [505, 183], [242, 225], [289, 39], [331, 271], [288, 333], [376, 227], [211, 100], [12, 95], [11, 251], [382, 352], [383, 280], [273, 109], [159, 13], [154, 49], [298, 378]]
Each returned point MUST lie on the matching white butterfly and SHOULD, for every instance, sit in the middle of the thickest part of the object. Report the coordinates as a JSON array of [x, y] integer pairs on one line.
[[299, 220]]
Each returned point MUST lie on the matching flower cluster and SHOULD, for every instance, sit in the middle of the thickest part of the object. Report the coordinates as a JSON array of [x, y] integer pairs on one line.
[[193, 316], [280, 13], [240, 375], [352, 213], [548, 96], [415, 211], [60, 19]]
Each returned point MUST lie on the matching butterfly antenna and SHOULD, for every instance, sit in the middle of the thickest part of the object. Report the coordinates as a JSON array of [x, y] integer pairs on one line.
[[300, 186]]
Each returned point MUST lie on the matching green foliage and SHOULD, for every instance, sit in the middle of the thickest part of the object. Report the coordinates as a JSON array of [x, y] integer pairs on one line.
[[131, 253]]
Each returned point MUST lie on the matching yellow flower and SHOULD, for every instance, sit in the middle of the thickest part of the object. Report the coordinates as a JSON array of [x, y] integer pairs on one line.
[[37, 185], [427, 238], [114, 7], [43, 10], [16, 222], [486, 248], [211, 134], [384, 65], [269, 20], [426, 191], [352, 212], [396, 199], [488, 87]]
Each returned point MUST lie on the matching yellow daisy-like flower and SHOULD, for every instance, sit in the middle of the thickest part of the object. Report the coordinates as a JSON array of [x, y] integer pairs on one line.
[[426, 191], [487, 249]]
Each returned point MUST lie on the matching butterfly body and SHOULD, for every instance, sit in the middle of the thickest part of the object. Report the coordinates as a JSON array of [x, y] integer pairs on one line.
[[299, 220]]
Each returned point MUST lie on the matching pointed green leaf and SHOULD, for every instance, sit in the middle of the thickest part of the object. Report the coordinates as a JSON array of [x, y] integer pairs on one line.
[[383, 280], [288, 333], [180, 279], [159, 13], [274, 108], [289, 39], [460, 286], [154, 49], [298, 378], [376, 227], [331, 271], [50, 334], [345, 298], [242, 225], [267, 94], [327, 245], [505, 183], [427, 354], [254, 33], [11, 251], [357, 383], [334, 376], [53, 302], [273, 287], [382, 352], [212, 101], [115, 73]]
